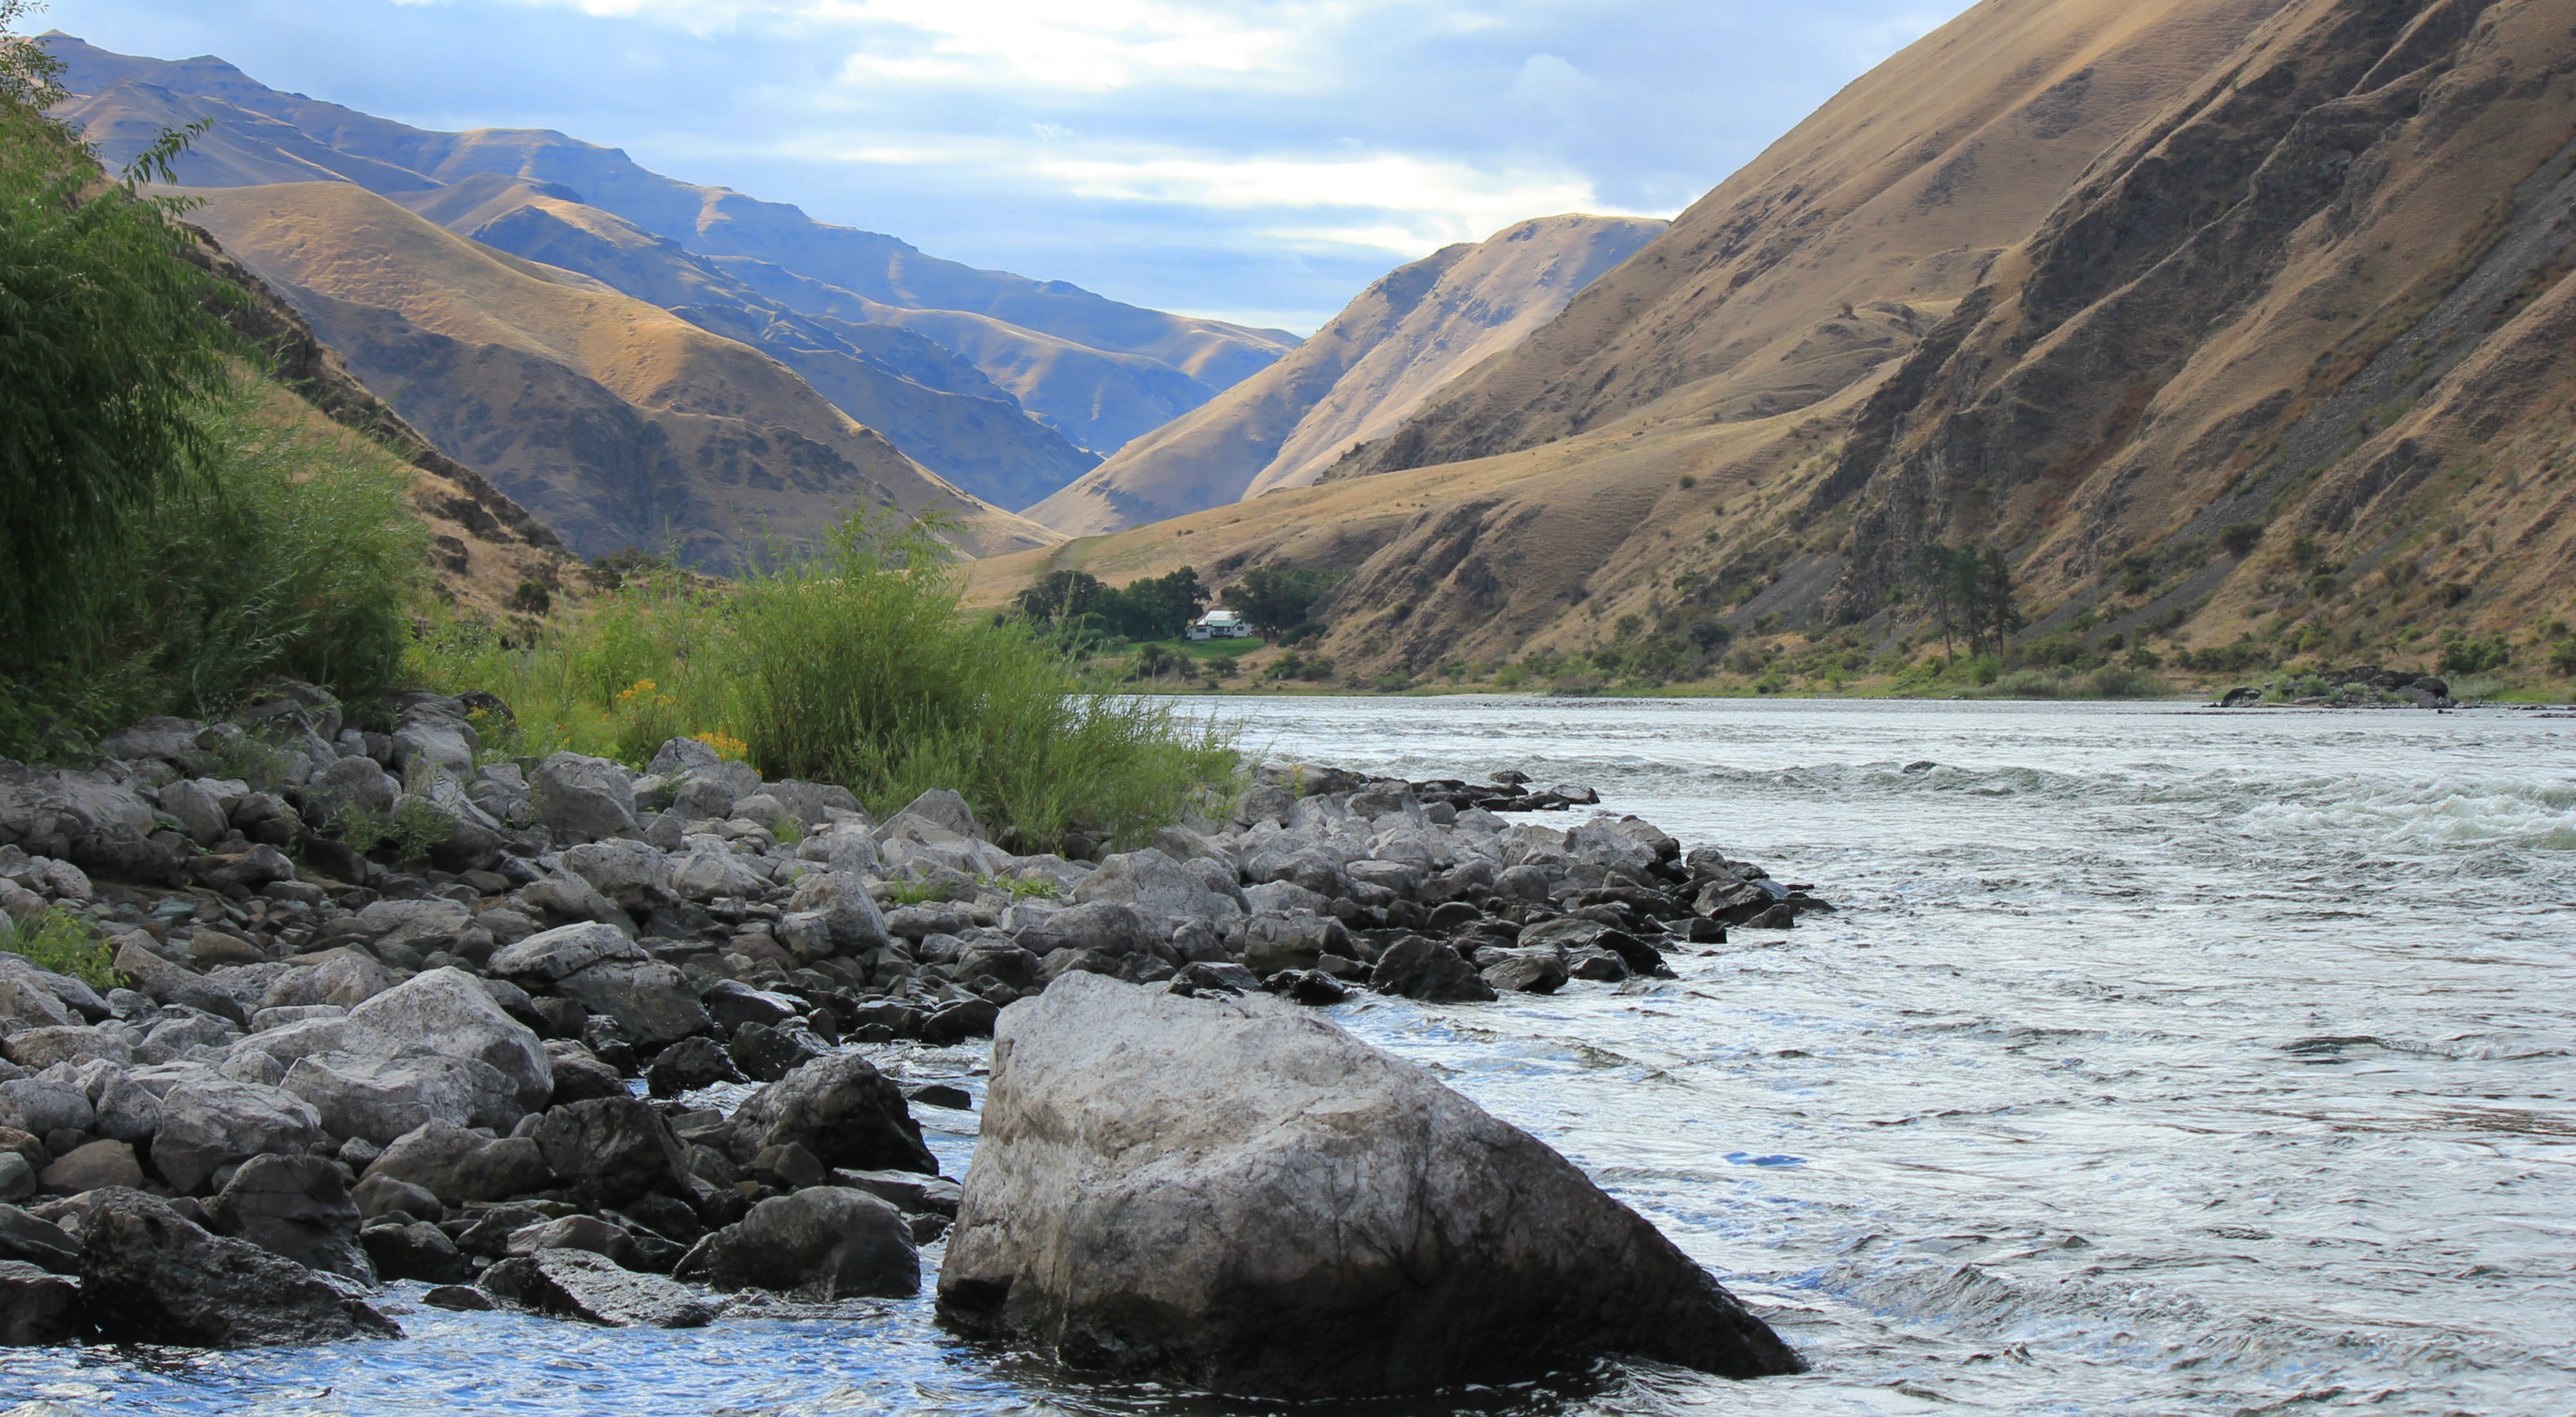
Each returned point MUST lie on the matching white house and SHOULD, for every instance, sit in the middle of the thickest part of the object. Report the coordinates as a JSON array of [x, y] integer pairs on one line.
[[1219, 625]]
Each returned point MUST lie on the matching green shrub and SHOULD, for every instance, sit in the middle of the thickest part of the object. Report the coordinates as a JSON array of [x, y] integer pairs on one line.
[[64, 943], [853, 664], [2240, 537]]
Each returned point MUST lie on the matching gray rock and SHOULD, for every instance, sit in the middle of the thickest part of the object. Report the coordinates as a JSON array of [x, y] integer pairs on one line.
[[346, 785], [651, 1001], [710, 791], [677, 756], [630, 873], [297, 1207], [820, 1244], [583, 799], [210, 1123], [37, 1309], [1111, 929], [27, 1240], [840, 1109], [162, 982], [1434, 973], [611, 1150], [550, 955], [282, 1015], [577, 1284], [578, 1232], [767, 1054], [847, 913], [1272, 943], [424, 926], [566, 897], [383, 1195], [946, 810], [1163, 892], [1237, 1195], [457, 1166], [690, 1064], [17, 1177], [447, 1011], [714, 872], [148, 1275], [419, 1251], [41, 1107], [731, 1004], [92, 1165], [199, 808], [343, 980], [37, 1049], [380, 1098], [180, 1030], [1533, 971]]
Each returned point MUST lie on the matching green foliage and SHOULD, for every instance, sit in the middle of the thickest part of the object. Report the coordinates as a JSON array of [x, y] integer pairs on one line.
[[2475, 654], [110, 346], [64, 943], [1025, 887], [1273, 598], [852, 664], [295, 554], [2240, 537], [1968, 591], [1153, 608]]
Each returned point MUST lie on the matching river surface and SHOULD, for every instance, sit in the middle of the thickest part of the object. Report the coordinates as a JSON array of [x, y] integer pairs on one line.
[[2159, 1061]]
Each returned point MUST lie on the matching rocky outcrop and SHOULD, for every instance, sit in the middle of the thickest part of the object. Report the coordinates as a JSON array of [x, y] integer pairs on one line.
[[1237, 1195], [149, 1275]]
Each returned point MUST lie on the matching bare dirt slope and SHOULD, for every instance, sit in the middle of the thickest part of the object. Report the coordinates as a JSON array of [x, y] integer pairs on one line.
[[612, 420], [262, 135], [1360, 375], [2092, 283]]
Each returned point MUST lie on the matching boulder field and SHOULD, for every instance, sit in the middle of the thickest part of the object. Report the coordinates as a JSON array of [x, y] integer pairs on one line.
[[499, 1041]]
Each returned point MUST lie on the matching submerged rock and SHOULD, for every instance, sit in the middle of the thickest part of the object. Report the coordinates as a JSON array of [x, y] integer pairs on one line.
[[822, 1243], [1238, 1195], [576, 1284]]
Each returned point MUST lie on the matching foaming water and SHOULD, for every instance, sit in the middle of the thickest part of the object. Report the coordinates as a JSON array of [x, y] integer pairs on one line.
[[2159, 1061]]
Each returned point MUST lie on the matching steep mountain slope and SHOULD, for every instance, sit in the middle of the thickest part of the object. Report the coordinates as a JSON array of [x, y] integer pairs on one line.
[[302, 139], [1359, 376], [614, 421], [954, 421], [2220, 318]]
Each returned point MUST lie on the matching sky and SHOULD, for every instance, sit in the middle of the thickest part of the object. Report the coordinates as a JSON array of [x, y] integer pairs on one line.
[[1252, 160]]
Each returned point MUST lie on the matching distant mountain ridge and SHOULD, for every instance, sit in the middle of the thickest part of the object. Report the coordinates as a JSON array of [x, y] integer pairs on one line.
[[1088, 373], [1394, 347]]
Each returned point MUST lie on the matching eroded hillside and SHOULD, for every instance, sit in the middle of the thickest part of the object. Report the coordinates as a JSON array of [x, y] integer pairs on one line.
[[2227, 321]]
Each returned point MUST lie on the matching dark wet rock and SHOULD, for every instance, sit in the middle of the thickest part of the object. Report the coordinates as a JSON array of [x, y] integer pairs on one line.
[[822, 1243], [148, 1275], [907, 1191], [581, 1076], [611, 1150], [1236, 1195], [730, 1004], [1433, 973], [37, 1308], [690, 1064], [1306, 986], [28, 1240], [1198, 978], [576, 1284], [842, 1110], [578, 1232], [297, 1207], [940, 1094], [1522, 971], [459, 1298], [418, 1250], [767, 1054], [957, 1022]]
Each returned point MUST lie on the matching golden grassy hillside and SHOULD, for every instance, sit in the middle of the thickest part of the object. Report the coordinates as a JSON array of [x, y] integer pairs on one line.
[[615, 421], [1360, 375], [2225, 320]]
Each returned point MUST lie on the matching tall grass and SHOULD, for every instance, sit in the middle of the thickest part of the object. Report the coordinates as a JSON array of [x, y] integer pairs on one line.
[[295, 553], [2108, 682], [853, 663]]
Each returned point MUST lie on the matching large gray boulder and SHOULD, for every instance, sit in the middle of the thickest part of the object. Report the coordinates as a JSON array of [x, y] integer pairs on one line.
[[612, 1150], [162, 982], [150, 1275], [458, 1166], [449, 1011], [584, 799], [210, 1123], [652, 1002], [36, 1309], [1237, 1195], [550, 955], [379, 1099], [839, 902], [820, 1244], [630, 873]]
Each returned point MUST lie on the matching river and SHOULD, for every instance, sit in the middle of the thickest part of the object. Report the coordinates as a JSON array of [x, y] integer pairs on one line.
[[2160, 1060]]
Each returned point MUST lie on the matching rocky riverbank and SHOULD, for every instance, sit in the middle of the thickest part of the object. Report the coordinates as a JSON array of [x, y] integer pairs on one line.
[[322, 1067]]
